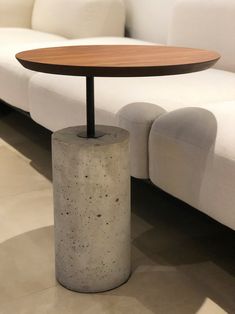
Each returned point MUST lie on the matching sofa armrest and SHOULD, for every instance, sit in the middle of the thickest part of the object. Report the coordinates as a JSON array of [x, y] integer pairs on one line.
[[16, 13], [137, 118], [79, 18]]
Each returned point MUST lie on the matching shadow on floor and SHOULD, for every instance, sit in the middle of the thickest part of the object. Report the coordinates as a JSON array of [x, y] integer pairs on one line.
[[182, 234], [30, 139], [27, 265]]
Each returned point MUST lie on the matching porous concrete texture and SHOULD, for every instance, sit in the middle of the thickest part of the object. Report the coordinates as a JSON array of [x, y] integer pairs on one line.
[[91, 179]]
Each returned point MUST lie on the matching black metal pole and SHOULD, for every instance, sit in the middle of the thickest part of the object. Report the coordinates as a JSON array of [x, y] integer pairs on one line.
[[90, 106]]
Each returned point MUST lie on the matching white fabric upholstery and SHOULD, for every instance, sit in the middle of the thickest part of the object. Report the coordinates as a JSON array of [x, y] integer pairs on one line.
[[149, 20], [79, 18], [169, 92], [16, 13], [208, 25], [18, 36], [14, 79], [192, 157], [14, 83], [57, 102], [63, 98], [138, 118]]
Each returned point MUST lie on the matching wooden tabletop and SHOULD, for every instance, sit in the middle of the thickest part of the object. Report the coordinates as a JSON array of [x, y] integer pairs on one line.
[[117, 61]]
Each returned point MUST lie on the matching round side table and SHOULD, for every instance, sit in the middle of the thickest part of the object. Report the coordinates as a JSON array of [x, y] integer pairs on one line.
[[91, 176]]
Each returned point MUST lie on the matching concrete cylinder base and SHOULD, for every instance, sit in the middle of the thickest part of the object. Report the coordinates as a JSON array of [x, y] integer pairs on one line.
[[91, 180]]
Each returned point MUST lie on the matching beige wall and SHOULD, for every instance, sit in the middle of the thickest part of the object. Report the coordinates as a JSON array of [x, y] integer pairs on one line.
[[149, 19]]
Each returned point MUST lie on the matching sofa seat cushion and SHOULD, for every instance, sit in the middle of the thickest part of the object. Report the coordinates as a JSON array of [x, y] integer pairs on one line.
[[192, 156], [169, 92], [63, 98], [14, 78], [14, 36], [194, 89]]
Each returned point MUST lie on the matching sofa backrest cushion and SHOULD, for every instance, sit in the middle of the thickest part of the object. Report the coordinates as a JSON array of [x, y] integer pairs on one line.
[[16, 13], [79, 18], [206, 24], [149, 19]]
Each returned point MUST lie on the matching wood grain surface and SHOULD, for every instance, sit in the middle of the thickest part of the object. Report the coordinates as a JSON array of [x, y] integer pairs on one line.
[[117, 60]]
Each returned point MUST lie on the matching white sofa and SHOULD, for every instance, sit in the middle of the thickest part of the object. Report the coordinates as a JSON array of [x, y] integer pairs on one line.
[[178, 124], [192, 148]]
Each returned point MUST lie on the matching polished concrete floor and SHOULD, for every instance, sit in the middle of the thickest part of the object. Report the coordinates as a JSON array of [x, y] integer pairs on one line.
[[183, 262]]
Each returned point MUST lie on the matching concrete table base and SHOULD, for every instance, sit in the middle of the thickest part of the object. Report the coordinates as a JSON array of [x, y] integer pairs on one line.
[[91, 181]]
